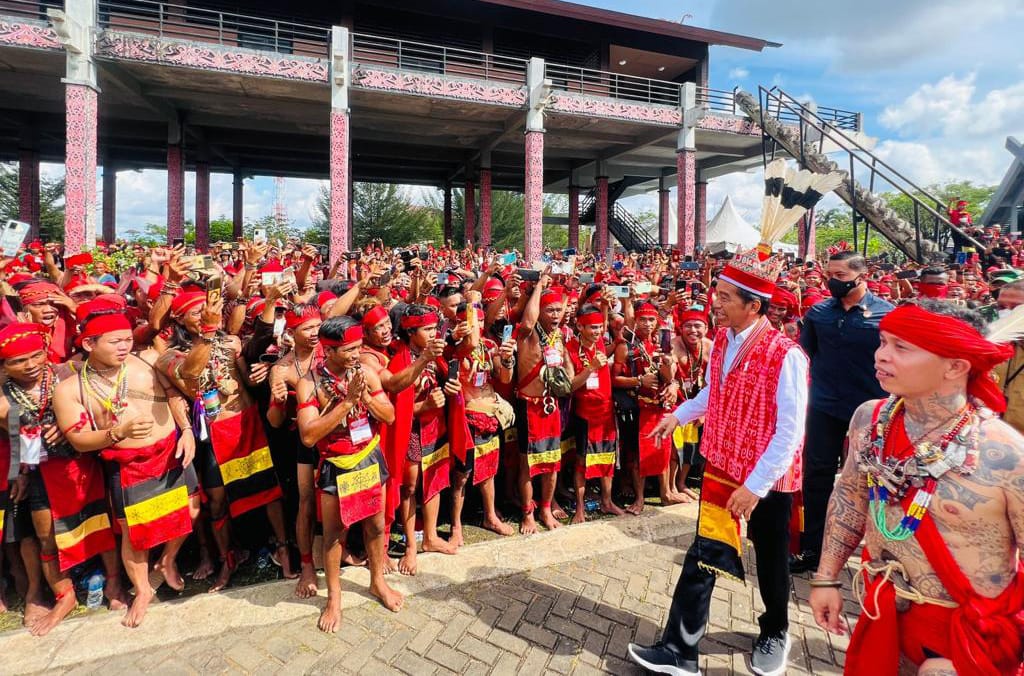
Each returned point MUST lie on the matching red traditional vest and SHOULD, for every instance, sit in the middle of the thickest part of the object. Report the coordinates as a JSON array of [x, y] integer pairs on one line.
[[741, 416]]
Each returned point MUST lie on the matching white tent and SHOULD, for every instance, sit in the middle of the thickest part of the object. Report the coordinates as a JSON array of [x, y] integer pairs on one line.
[[727, 231]]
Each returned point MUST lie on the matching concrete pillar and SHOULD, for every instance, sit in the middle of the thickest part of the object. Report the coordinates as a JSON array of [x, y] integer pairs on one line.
[[109, 202], [686, 168], [28, 190], [237, 203], [469, 212], [663, 213], [341, 176], [485, 207], [574, 216], [175, 191], [202, 207], [601, 215], [538, 89], [700, 213], [75, 27], [447, 212]]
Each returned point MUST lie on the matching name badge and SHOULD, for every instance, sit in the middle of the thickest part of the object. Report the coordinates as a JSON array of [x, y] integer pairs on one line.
[[359, 430], [31, 445], [593, 382], [480, 379], [552, 357]]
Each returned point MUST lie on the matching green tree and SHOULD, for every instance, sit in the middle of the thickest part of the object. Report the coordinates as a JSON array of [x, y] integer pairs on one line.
[[51, 202], [977, 197], [380, 210], [508, 218]]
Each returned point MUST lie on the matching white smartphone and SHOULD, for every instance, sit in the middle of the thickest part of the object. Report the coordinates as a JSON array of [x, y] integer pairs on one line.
[[259, 236], [13, 236]]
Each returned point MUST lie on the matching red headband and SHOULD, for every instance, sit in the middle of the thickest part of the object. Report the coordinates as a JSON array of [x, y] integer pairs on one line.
[[352, 334], [375, 316], [108, 323], [38, 292], [550, 297], [692, 316], [22, 338], [184, 302], [952, 339], [590, 319], [646, 310], [306, 313], [418, 321]]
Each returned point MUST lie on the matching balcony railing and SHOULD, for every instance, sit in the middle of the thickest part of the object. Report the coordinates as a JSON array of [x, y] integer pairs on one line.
[[453, 61], [612, 85], [720, 100], [207, 25], [29, 9]]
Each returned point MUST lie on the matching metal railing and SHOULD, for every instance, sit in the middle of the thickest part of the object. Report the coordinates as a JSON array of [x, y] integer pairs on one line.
[[29, 9], [612, 85], [721, 100], [440, 59], [223, 28], [622, 225]]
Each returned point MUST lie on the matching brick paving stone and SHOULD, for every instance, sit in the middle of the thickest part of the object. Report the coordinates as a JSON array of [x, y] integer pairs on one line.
[[395, 644], [448, 658], [619, 639], [510, 618], [539, 609], [565, 658], [455, 628], [507, 665], [591, 621], [535, 662], [537, 635], [426, 636], [413, 664], [563, 604], [482, 623], [507, 641], [593, 648], [476, 668], [478, 650], [566, 628]]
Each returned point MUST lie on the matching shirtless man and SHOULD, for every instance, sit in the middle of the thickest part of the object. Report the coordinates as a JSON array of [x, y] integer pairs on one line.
[[691, 350], [201, 361], [118, 405], [340, 413], [539, 343], [963, 552], [302, 323]]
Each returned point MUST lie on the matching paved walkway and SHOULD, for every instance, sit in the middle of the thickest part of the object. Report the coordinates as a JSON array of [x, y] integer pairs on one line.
[[565, 602]]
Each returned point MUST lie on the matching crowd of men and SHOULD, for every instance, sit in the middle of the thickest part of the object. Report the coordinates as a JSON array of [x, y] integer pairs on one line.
[[180, 395]]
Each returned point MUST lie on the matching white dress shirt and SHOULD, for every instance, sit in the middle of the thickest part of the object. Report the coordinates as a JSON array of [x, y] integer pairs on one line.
[[790, 398]]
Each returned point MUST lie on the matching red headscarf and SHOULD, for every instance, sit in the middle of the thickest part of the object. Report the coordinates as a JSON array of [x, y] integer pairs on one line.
[[184, 302], [952, 338], [22, 338], [374, 316], [300, 314]]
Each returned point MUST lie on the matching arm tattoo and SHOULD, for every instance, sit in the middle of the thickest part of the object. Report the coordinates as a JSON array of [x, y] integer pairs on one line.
[[846, 519]]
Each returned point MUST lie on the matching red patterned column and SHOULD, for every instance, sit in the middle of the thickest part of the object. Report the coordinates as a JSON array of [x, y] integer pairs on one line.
[[237, 204], [175, 193], [202, 207], [109, 203], [806, 236], [700, 213], [534, 196], [601, 216], [340, 184], [28, 190], [574, 216], [485, 208], [80, 168], [686, 179], [469, 213], [447, 212], [663, 207]]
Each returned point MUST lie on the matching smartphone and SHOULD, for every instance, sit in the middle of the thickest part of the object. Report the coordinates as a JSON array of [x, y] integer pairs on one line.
[[696, 288], [568, 252], [269, 357], [628, 335], [353, 255], [288, 275], [424, 255], [586, 278], [259, 236], [443, 278], [528, 275], [620, 291], [442, 329], [178, 241], [506, 332], [809, 264], [888, 267], [509, 259], [644, 287], [665, 341], [688, 259], [689, 266], [13, 236], [453, 370], [213, 289]]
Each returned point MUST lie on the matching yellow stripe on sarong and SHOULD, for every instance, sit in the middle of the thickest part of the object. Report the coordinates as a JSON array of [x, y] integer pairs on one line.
[[358, 481], [545, 458], [600, 459], [487, 447], [347, 462], [243, 468], [431, 459], [717, 523], [91, 525], [153, 508]]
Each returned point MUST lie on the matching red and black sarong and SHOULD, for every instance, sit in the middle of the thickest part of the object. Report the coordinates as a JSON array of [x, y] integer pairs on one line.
[[436, 461], [717, 543], [358, 479], [544, 435], [243, 459]]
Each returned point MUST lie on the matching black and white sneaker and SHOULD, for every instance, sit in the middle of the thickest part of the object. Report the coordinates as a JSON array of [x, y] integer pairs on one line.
[[770, 654], [659, 659]]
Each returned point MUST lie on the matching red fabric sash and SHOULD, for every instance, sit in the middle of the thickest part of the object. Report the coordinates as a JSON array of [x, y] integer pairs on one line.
[[395, 437], [486, 453], [436, 461], [243, 457], [654, 457], [78, 503], [599, 457], [544, 446]]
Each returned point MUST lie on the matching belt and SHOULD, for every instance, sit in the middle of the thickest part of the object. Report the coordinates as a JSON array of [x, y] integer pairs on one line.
[[347, 462], [886, 570]]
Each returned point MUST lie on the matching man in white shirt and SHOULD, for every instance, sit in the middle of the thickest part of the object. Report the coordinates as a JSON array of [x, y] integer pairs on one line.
[[754, 407]]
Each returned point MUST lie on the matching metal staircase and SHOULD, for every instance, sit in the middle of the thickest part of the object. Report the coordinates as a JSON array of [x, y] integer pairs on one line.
[[924, 237], [622, 225]]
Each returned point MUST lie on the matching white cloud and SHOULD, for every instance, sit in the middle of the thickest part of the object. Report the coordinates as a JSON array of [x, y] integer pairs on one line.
[[739, 73], [949, 108]]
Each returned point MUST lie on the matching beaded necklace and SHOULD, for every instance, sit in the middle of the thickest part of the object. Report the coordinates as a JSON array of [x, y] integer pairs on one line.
[[890, 478], [337, 389], [115, 401], [29, 404]]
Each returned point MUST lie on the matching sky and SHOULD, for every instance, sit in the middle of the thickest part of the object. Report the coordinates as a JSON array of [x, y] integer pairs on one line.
[[940, 83]]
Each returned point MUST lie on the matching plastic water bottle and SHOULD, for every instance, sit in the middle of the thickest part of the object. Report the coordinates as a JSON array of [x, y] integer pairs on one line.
[[94, 597]]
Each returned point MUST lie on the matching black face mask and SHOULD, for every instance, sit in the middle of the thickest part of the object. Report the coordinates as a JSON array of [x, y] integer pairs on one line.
[[839, 289]]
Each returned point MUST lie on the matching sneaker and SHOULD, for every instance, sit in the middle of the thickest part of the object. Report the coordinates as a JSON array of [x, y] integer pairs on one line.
[[769, 655], [803, 562], [659, 659]]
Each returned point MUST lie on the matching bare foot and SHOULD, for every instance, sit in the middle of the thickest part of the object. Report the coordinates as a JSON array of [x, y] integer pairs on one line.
[[672, 498], [389, 598], [690, 493], [439, 545], [114, 591], [407, 564], [456, 538], [227, 567], [350, 559], [611, 508], [636, 507], [42, 625], [35, 610], [581, 514], [557, 511], [205, 567], [498, 526], [330, 618], [547, 517], [528, 526], [167, 569], [137, 611], [306, 587], [282, 558], [390, 565]]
